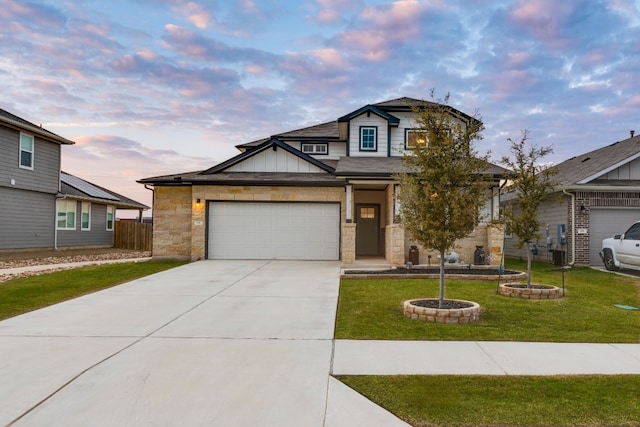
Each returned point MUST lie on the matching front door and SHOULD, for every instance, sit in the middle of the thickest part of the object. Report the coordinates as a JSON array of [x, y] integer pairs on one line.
[[367, 229]]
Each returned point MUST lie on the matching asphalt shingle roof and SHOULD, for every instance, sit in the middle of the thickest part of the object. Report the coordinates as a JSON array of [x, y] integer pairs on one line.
[[583, 166]]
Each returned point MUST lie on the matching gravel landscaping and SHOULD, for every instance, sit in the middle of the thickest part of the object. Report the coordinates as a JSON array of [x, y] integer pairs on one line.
[[16, 259]]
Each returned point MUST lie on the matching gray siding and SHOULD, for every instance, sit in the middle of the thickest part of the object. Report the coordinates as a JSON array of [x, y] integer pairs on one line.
[[45, 175], [97, 236], [551, 214], [26, 219]]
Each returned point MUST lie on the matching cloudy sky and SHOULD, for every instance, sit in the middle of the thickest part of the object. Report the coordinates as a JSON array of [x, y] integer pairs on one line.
[[152, 87]]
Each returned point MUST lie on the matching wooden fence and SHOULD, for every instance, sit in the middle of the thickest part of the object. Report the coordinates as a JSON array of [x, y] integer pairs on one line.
[[133, 235]]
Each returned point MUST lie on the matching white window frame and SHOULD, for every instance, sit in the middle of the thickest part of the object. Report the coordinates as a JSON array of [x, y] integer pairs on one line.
[[21, 150], [86, 205], [407, 138], [314, 148], [110, 211], [375, 138], [70, 207]]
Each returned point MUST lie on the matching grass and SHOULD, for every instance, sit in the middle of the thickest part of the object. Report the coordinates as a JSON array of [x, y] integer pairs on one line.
[[506, 401], [372, 309], [21, 295]]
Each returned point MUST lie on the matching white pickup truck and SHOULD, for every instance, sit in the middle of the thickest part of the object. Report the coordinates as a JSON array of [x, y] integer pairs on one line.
[[622, 250]]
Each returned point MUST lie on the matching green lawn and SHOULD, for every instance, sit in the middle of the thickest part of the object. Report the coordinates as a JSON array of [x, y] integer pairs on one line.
[[506, 401], [25, 294], [372, 309]]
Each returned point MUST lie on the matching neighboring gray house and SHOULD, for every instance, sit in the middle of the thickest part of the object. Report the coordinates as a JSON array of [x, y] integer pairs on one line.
[[598, 196], [41, 207]]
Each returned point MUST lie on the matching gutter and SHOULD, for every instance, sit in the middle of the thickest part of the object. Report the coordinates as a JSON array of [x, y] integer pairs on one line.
[[573, 226]]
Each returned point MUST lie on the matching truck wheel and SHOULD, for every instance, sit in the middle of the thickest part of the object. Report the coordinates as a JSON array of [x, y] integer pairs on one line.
[[608, 260]]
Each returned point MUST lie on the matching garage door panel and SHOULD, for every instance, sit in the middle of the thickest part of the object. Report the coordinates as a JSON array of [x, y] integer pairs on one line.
[[280, 230], [607, 223]]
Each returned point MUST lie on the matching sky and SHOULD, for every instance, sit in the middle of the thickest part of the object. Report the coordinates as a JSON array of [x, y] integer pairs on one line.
[[155, 87]]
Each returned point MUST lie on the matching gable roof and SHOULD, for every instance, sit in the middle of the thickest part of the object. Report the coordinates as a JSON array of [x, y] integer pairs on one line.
[[18, 123], [77, 188], [323, 132], [586, 168], [393, 121], [272, 143]]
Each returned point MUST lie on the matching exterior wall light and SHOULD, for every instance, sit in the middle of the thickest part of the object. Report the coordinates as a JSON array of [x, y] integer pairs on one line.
[[198, 203]]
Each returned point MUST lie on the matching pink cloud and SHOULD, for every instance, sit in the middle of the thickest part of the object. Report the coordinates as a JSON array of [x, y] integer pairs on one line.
[[543, 18], [197, 14]]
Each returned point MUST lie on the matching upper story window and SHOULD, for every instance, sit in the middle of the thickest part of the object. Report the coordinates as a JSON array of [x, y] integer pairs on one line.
[[110, 212], [66, 214], [314, 148], [415, 138], [26, 151], [85, 217], [368, 138]]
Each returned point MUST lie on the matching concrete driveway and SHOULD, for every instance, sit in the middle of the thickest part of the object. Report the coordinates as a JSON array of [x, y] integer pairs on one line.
[[216, 343]]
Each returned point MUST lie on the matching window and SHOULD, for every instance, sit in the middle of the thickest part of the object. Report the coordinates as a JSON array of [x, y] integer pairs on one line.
[[110, 212], [368, 213], [26, 151], [66, 214], [368, 138], [313, 148], [633, 233], [85, 216], [415, 138]]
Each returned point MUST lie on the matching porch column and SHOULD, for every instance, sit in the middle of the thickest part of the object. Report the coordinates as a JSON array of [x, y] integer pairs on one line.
[[396, 204], [349, 206]]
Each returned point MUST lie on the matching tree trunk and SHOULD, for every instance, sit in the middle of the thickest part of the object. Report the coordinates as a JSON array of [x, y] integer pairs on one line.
[[441, 296], [529, 264]]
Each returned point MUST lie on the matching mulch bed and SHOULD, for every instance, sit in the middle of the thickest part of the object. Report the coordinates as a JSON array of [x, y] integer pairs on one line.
[[434, 270]]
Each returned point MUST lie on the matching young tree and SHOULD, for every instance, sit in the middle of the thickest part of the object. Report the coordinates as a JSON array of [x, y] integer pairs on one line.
[[533, 183], [444, 186]]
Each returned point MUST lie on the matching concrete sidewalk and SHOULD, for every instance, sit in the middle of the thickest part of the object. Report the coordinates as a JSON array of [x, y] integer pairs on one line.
[[483, 358]]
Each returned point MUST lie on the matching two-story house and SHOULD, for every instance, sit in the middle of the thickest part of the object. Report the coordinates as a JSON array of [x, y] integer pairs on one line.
[[325, 192], [43, 207]]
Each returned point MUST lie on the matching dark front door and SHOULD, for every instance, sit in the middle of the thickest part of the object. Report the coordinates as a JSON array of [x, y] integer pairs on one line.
[[367, 229]]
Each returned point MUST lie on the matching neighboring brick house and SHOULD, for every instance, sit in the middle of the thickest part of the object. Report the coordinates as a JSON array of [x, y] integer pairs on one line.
[[41, 206], [324, 192], [598, 196]]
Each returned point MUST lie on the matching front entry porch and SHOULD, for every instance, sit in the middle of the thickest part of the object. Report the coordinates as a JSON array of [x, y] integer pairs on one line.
[[370, 235]]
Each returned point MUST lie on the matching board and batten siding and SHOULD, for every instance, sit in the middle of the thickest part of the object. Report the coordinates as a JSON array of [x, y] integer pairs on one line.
[[629, 171], [407, 121], [275, 161], [382, 135], [45, 175], [97, 235], [26, 219], [550, 214]]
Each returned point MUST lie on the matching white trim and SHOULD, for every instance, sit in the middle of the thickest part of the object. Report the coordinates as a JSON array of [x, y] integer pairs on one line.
[[112, 210], [32, 152], [67, 210], [82, 227], [609, 169]]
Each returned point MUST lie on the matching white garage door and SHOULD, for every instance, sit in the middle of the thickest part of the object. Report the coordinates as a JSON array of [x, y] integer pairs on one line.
[[607, 223], [274, 230]]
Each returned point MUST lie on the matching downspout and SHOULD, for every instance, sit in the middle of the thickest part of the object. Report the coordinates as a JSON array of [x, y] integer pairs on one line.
[[573, 226]]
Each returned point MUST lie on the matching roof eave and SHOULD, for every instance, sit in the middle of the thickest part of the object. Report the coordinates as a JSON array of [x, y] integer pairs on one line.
[[35, 130]]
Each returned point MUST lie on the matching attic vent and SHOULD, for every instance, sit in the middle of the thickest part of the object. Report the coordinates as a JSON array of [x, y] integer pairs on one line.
[[586, 159]]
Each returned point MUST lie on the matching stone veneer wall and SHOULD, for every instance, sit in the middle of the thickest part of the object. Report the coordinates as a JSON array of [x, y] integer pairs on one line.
[[180, 226], [172, 222], [394, 244], [490, 236]]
